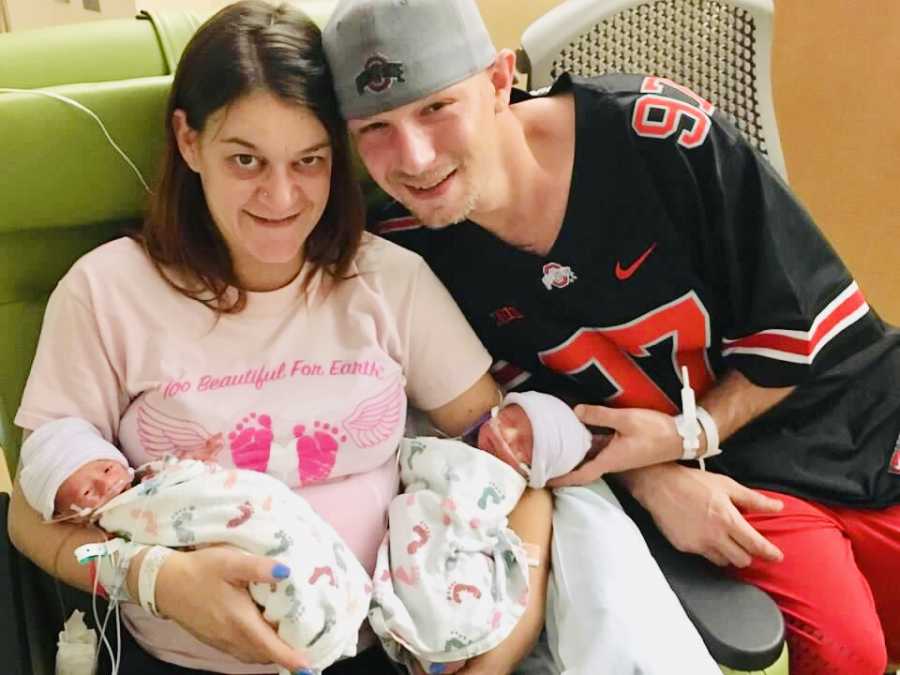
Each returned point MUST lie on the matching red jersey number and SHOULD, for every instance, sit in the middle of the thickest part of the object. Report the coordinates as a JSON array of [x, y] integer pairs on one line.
[[611, 350], [670, 113]]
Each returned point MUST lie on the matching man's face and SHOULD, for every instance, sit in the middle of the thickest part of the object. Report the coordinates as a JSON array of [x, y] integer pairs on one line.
[[431, 155]]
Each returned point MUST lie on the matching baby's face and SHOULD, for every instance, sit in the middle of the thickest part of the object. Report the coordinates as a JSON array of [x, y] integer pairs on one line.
[[509, 430], [91, 486]]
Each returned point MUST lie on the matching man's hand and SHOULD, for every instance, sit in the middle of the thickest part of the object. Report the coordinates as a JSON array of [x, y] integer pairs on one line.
[[205, 591], [700, 512], [642, 437]]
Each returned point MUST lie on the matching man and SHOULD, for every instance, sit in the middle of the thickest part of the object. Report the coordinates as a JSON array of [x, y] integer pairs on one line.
[[611, 236]]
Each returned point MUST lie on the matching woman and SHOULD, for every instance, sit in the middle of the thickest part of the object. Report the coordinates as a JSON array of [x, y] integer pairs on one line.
[[254, 324]]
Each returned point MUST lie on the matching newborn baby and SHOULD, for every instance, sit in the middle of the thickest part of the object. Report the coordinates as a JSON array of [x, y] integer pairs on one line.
[[179, 503], [539, 436], [91, 486], [451, 579]]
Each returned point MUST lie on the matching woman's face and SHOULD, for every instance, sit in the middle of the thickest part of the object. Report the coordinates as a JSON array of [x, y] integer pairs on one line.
[[265, 166]]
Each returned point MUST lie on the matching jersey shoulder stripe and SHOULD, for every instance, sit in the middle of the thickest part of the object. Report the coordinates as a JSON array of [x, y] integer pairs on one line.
[[798, 346], [508, 376]]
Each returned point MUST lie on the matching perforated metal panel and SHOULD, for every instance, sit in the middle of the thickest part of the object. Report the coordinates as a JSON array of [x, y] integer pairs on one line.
[[705, 45]]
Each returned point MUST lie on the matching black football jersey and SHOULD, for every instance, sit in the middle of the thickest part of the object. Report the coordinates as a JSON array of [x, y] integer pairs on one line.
[[682, 248]]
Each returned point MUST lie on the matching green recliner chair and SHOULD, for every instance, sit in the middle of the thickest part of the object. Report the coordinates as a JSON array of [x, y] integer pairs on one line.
[[65, 190]]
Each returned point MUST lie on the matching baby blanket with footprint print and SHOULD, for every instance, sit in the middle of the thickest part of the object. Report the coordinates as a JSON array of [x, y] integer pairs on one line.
[[318, 609], [451, 580]]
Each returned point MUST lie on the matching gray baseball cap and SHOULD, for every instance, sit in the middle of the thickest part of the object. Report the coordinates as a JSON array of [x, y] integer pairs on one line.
[[387, 53]]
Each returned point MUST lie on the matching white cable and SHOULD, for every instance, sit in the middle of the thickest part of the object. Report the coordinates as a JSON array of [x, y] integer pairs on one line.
[[92, 114], [112, 607], [120, 554], [102, 625], [118, 641], [711, 429]]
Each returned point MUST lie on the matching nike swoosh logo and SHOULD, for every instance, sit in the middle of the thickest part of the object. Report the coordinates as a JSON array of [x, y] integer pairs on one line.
[[623, 273]]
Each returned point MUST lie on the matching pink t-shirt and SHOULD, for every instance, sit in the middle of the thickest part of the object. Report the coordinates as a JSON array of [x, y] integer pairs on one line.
[[310, 388]]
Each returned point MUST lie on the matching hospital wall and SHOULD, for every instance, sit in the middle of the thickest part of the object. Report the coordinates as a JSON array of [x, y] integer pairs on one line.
[[835, 73]]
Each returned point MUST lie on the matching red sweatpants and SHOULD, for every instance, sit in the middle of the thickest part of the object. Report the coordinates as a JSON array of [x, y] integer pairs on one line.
[[837, 585]]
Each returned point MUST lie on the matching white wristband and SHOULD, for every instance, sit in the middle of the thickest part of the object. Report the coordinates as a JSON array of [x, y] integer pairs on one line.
[[711, 429], [689, 430], [113, 559], [532, 554], [150, 567]]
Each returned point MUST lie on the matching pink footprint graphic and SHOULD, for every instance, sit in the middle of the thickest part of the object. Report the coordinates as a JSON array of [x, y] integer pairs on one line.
[[316, 451], [410, 578], [448, 506], [458, 590], [151, 527], [251, 442], [423, 534], [495, 619], [319, 572], [246, 512]]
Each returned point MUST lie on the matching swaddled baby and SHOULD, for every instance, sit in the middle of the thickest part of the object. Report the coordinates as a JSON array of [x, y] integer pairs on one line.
[[451, 580], [188, 503], [538, 435]]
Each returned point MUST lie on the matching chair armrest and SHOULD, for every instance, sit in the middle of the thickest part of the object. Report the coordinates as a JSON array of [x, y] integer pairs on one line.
[[741, 625]]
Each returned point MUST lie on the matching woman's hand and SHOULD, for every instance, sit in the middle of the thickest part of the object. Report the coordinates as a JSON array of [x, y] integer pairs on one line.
[[205, 591], [485, 664], [442, 668]]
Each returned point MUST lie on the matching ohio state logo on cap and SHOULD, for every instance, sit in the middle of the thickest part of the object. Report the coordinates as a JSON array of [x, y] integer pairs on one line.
[[379, 74]]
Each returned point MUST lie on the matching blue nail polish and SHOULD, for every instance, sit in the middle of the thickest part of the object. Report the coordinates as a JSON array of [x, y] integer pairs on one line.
[[282, 571], [436, 668], [304, 671]]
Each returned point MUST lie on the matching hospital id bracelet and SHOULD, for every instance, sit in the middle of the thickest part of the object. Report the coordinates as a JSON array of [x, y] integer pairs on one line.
[[686, 423], [150, 567], [704, 421], [711, 429], [112, 559]]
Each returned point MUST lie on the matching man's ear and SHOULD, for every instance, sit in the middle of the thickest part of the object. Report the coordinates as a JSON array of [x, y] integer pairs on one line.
[[188, 139], [502, 74]]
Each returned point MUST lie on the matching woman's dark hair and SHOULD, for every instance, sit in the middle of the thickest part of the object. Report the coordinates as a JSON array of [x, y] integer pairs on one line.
[[246, 47]]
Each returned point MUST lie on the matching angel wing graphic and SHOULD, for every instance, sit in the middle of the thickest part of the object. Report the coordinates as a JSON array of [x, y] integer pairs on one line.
[[377, 418], [161, 434]]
